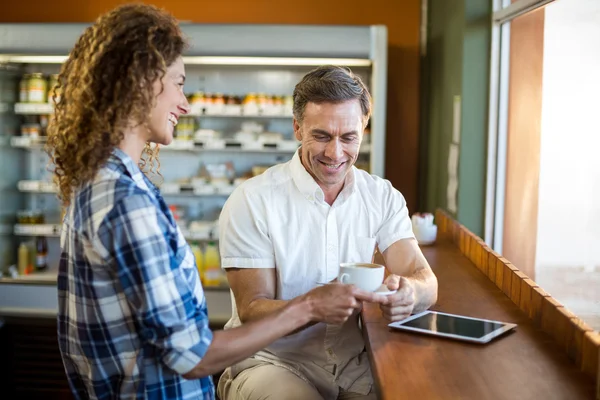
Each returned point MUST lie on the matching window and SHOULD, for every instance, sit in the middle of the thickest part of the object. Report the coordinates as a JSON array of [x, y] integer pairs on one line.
[[543, 193]]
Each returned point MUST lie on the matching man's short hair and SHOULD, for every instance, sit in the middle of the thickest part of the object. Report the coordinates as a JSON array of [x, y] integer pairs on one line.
[[331, 84]]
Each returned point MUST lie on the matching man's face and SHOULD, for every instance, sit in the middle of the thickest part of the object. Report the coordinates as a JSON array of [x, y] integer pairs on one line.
[[330, 134]]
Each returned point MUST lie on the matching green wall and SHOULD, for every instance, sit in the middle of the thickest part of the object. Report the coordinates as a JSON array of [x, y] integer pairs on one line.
[[456, 64]]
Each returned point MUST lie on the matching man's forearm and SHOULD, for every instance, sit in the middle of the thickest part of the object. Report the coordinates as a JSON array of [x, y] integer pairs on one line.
[[426, 288], [258, 308], [234, 345]]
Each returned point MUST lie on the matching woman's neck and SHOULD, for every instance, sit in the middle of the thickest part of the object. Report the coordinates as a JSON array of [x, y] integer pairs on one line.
[[133, 143]]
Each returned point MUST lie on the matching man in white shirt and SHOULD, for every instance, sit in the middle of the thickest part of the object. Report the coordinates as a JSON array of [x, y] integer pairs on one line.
[[288, 229]]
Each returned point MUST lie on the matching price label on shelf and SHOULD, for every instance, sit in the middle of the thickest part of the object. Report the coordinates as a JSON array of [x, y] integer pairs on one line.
[[192, 235], [254, 145], [234, 110], [47, 187], [181, 144], [170, 188], [34, 108], [37, 230], [287, 145], [214, 109], [29, 186], [20, 141], [196, 109], [250, 110], [204, 190], [225, 189], [215, 144]]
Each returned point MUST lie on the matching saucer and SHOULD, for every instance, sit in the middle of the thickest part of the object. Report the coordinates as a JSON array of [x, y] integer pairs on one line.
[[383, 290], [386, 293]]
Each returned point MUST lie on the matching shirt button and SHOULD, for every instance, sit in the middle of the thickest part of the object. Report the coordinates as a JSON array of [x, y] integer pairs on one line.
[[330, 351]]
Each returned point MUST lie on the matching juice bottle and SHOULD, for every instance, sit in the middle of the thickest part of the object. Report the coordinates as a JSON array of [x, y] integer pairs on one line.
[[199, 256], [212, 265], [23, 259], [41, 259]]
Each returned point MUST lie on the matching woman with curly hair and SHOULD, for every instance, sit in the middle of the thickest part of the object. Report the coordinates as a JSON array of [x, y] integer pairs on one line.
[[132, 319]]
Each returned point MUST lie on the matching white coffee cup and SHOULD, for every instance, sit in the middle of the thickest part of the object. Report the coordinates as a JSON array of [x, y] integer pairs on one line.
[[424, 229], [425, 235], [365, 276]]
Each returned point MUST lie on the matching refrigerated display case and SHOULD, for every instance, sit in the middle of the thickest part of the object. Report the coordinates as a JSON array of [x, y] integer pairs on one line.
[[239, 81]]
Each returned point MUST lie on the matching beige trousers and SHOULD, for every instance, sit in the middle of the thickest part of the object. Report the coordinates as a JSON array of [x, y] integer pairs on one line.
[[266, 381]]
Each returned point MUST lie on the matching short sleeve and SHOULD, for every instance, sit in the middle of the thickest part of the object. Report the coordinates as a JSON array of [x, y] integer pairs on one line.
[[396, 224], [244, 240]]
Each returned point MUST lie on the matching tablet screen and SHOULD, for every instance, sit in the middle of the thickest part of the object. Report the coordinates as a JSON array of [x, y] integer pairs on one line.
[[454, 325]]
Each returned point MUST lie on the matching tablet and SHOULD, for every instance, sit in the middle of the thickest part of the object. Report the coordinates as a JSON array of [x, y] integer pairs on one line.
[[453, 326]]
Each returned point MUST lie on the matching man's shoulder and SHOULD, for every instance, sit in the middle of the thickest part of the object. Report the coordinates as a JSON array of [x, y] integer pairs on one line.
[[371, 183], [273, 177]]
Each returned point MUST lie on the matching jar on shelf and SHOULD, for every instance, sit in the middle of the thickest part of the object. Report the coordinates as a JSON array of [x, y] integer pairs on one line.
[[218, 99], [37, 88], [289, 101], [35, 217], [23, 217], [250, 99], [230, 100], [30, 217], [197, 98], [261, 99], [288, 105], [185, 128], [44, 120], [24, 88], [33, 131]]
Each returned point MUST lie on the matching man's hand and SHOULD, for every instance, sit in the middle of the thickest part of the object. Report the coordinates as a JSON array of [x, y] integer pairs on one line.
[[334, 303], [400, 304]]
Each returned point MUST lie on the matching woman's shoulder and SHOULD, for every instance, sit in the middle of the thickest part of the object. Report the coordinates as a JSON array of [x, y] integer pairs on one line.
[[101, 197]]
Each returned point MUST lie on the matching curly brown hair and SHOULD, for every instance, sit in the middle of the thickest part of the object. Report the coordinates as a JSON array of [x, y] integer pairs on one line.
[[105, 85]]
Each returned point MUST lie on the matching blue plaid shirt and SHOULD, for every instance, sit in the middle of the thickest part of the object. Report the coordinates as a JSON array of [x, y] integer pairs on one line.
[[132, 314]]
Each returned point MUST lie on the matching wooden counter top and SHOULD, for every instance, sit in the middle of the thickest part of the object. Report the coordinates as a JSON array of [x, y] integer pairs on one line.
[[524, 364]]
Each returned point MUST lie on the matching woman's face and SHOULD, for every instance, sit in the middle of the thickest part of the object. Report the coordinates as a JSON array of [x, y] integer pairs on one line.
[[171, 103]]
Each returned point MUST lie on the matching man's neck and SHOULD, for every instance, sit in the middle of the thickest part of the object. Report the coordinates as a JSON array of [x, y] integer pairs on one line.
[[330, 192]]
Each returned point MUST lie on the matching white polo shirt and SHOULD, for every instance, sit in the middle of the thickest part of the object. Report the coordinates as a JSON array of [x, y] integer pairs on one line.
[[280, 220]]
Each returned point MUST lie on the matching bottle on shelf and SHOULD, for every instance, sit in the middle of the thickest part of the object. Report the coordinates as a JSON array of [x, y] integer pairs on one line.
[[213, 275], [24, 89], [41, 257], [23, 259], [199, 256]]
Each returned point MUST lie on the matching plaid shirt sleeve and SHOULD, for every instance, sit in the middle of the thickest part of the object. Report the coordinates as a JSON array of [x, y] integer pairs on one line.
[[170, 310]]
